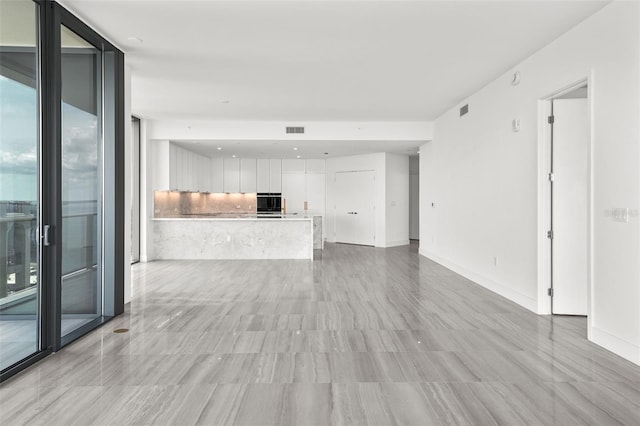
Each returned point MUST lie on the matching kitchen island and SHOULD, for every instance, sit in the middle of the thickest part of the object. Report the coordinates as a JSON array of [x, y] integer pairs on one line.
[[236, 237]]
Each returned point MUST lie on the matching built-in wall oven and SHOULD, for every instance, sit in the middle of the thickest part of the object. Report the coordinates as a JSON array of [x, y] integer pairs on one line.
[[269, 202]]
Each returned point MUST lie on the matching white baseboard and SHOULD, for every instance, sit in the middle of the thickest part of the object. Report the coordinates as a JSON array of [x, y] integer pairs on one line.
[[615, 344], [395, 243], [527, 302]]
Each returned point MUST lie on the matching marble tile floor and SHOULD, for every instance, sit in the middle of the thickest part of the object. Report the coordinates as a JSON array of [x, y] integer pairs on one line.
[[358, 336]]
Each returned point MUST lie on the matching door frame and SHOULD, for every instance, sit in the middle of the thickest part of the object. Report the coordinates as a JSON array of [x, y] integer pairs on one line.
[[545, 202]]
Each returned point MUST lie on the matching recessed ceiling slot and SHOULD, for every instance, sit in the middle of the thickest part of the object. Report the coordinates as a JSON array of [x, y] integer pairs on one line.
[[295, 129]]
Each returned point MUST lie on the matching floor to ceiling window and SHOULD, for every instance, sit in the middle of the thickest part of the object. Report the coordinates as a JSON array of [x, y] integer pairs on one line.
[[19, 182], [61, 181], [81, 182]]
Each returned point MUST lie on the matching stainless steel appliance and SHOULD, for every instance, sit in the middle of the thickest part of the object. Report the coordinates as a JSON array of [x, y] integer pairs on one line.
[[269, 202]]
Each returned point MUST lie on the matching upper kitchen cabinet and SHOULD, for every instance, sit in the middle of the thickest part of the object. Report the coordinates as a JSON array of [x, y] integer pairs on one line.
[[315, 166], [216, 175], [293, 166], [231, 181], [263, 175], [275, 175], [248, 173], [269, 177], [188, 171]]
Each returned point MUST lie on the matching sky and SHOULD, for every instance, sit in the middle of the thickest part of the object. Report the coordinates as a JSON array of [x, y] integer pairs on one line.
[[19, 147]]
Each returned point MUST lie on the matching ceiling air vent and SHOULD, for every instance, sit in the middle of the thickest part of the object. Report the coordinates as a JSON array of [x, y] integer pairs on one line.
[[464, 110], [295, 129]]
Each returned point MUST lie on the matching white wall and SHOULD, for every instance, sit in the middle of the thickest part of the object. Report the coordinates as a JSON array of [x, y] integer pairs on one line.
[[397, 200], [484, 179], [274, 130]]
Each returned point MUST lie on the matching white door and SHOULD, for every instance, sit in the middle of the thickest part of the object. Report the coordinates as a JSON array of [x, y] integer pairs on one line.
[[569, 211], [355, 207]]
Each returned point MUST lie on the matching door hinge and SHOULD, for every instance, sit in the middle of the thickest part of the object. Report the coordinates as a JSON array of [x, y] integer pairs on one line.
[[550, 177], [551, 119], [550, 235], [550, 291]]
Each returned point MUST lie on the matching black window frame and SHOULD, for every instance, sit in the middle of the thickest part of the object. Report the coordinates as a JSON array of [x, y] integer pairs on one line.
[[51, 16]]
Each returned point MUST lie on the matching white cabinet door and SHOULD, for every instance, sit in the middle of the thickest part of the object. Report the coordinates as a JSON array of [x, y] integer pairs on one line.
[[262, 175], [293, 190], [293, 166], [315, 193], [231, 175], [315, 166], [275, 175], [248, 175], [204, 174], [173, 167], [179, 170], [217, 175], [186, 170]]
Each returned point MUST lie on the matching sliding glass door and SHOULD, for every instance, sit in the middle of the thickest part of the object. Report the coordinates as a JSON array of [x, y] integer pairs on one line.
[[19, 183], [81, 230], [61, 181]]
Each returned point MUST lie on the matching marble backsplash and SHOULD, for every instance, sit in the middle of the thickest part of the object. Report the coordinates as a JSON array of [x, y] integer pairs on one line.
[[175, 203]]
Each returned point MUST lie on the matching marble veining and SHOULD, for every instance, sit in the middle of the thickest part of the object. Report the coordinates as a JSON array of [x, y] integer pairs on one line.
[[358, 336], [245, 238]]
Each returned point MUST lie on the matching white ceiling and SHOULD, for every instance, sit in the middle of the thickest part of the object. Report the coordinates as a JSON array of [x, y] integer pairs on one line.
[[321, 60], [303, 60]]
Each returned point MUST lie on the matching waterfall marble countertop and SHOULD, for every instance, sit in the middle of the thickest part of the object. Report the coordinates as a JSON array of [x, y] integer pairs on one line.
[[236, 236]]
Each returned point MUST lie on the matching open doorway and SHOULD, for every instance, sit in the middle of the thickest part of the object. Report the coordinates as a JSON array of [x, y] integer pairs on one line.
[[568, 176]]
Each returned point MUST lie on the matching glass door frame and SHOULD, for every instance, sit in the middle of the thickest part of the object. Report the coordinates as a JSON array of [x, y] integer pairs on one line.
[[51, 17]]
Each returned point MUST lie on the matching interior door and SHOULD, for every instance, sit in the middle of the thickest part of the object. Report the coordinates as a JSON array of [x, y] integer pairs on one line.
[[355, 207], [569, 200]]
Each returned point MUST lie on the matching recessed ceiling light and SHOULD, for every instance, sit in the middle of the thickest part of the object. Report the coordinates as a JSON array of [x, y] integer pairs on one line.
[[234, 156], [295, 148], [219, 148], [297, 156], [135, 40]]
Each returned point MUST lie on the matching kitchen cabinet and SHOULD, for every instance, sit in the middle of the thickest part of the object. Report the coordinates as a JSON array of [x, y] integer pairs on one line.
[[315, 166], [293, 190], [293, 166], [188, 171], [231, 182], [263, 175], [248, 170], [216, 173], [173, 167], [275, 175], [269, 175]]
